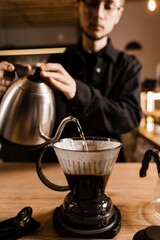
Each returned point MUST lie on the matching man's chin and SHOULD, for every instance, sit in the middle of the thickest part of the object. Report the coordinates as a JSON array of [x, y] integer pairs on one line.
[[92, 37]]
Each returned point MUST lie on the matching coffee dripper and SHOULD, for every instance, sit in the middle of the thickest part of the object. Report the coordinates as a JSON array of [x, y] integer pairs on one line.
[[86, 211], [155, 201]]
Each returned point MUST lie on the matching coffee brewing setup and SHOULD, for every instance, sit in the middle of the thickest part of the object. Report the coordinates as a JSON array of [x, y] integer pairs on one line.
[[86, 211], [27, 114]]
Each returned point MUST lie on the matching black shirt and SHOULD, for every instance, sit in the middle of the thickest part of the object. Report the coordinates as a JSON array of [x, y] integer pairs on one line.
[[107, 101]]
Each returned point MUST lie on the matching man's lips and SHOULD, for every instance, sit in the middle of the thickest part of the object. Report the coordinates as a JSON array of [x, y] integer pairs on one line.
[[96, 26]]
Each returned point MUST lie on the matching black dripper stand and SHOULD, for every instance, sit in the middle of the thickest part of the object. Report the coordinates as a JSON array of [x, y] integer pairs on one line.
[[87, 219]]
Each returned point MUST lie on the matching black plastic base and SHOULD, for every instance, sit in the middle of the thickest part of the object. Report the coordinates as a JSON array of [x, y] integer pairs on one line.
[[152, 232], [66, 230]]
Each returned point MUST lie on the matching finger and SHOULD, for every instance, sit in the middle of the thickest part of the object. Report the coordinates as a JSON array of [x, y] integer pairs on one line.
[[39, 64], [5, 83], [3, 89], [65, 89], [54, 75], [56, 67], [22, 69], [58, 85], [6, 66], [28, 67], [1, 74], [7, 76]]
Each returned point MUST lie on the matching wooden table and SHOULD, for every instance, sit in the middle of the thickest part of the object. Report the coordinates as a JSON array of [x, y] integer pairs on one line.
[[20, 187]]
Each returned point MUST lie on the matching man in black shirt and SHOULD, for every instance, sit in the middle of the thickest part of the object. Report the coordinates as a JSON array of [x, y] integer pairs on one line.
[[93, 81]]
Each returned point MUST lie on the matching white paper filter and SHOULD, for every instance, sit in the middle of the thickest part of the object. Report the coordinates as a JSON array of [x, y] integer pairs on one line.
[[98, 160]]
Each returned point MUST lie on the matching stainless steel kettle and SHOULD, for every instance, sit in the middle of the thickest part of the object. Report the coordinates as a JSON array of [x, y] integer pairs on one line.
[[27, 111]]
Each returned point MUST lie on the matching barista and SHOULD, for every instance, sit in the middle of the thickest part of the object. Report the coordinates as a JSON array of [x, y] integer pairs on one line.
[[92, 80]]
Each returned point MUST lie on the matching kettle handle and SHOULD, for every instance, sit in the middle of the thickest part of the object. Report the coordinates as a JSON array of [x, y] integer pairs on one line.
[[41, 175], [147, 158]]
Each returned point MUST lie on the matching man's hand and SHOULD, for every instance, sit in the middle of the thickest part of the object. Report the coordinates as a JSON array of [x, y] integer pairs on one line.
[[58, 77], [5, 77], [7, 74]]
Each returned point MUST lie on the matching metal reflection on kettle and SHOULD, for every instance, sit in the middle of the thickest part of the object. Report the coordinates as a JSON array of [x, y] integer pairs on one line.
[[27, 111]]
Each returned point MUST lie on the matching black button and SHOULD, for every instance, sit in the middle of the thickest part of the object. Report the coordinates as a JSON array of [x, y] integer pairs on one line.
[[98, 70]]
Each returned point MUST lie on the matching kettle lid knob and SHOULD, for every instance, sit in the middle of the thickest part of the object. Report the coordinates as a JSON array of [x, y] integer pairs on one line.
[[36, 77]]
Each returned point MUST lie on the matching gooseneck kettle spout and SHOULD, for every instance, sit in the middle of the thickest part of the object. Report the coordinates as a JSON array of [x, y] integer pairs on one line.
[[59, 130]]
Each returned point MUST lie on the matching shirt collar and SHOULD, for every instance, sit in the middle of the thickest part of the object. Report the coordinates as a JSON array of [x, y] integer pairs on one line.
[[110, 51], [107, 51]]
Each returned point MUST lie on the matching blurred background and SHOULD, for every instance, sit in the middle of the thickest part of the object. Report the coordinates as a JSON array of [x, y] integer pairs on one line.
[[31, 30]]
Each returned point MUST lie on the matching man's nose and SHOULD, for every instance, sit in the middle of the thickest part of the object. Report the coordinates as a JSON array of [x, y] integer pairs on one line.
[[100, 10]]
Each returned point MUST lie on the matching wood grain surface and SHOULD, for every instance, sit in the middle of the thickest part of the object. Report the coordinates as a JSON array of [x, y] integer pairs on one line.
[[20, 187]]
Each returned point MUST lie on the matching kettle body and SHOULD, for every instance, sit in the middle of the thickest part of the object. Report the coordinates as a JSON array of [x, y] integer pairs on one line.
[[27, 112]]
